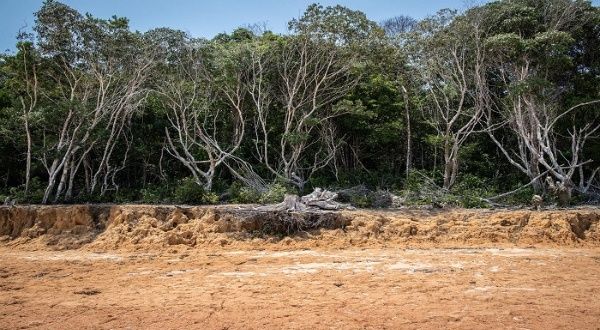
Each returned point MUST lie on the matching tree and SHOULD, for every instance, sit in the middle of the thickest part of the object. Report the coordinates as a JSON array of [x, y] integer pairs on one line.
[[336, 24], [398, 25], [91, 111], [530, 66], [449, 56], [24, 83], [199, 122], [311, 77], [97, 77]]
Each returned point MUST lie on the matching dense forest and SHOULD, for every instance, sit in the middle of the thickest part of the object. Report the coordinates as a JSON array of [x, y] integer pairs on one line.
[[487, 106]]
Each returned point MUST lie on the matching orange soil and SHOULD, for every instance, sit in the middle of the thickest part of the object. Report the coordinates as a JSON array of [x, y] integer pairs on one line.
[[509, 288], [211, 268]]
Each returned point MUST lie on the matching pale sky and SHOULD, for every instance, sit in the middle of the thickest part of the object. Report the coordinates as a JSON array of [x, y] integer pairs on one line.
[[203, 18]]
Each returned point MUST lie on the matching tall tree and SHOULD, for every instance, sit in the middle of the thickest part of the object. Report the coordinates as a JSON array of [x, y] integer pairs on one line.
[[98, 78], [206, 109], [449, 56], [531, 51]]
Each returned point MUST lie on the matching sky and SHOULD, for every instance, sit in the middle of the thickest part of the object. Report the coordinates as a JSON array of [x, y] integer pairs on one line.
[[203, 18]]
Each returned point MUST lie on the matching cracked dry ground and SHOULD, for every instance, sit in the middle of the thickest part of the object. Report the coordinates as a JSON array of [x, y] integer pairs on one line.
[[508, 288]]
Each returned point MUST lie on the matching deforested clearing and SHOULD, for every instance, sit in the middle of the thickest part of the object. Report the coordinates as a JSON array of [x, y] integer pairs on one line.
[[353, 165], [141, 266]]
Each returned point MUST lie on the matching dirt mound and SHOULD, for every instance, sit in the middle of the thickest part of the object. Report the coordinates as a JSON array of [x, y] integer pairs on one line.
[[145, 227]]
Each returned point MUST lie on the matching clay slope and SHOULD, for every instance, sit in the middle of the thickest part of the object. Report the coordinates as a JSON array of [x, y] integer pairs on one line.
[[140, 227]]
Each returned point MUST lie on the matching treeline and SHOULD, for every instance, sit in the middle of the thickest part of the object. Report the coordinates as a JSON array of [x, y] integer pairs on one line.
[[457, 107]]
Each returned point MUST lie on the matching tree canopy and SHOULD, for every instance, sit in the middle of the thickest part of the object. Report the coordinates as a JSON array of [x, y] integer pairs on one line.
[[460, 106]]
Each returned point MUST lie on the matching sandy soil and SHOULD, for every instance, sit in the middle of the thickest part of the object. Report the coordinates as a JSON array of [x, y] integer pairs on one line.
[[155, 228], [228, 267], [353, 288]]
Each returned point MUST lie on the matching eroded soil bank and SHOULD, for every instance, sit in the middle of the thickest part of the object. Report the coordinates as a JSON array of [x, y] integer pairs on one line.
[[167, 267], [141, 227]]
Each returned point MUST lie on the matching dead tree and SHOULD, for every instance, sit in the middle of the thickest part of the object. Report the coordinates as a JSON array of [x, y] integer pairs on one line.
[[318, 200], [533, 124], [532, 121], [530, 112]]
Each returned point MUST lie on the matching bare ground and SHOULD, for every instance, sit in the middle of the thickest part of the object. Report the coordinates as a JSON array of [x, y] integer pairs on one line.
[[371, 278]]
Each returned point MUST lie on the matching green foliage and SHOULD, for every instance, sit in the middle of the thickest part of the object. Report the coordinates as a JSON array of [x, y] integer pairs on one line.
[[155, 193], [296, 138], [508, 45], [184, 191], [521, 197], [361, 201], [556, 50], [337, 24], [469, 191], [34, 196], [187, 191], [240, 194], [275, 193]]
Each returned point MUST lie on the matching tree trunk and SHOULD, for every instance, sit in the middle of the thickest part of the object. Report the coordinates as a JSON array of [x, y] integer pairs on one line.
[[448, 175], [63, 181], [448, 165], [49, 188], [534, 169], [408, 133], [28, 160]]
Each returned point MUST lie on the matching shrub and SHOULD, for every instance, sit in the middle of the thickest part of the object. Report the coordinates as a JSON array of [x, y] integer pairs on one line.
[[467, 192], [242, 194], [359, 196], [521, 197], [470, 190], [210, 198], [155, 194], [35, 195], [420, 189], [125, 196], [361, 201], [188, 191], [275, 193]]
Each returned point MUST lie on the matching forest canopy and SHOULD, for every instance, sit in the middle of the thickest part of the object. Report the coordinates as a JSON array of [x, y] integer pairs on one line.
[[490, 105]]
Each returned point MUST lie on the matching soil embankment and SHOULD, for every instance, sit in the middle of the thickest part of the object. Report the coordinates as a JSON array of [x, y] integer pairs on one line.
[[140, 227]]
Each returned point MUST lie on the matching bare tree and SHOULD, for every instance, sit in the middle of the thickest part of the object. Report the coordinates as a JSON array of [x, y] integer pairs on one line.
[[197, 134], [312, 76], [449, 57], [533, 124], [29, 97], [97, 69], [408, 131], [108, 98]]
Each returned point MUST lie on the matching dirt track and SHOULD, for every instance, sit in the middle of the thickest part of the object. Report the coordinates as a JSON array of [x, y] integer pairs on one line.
[[59, 269]]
